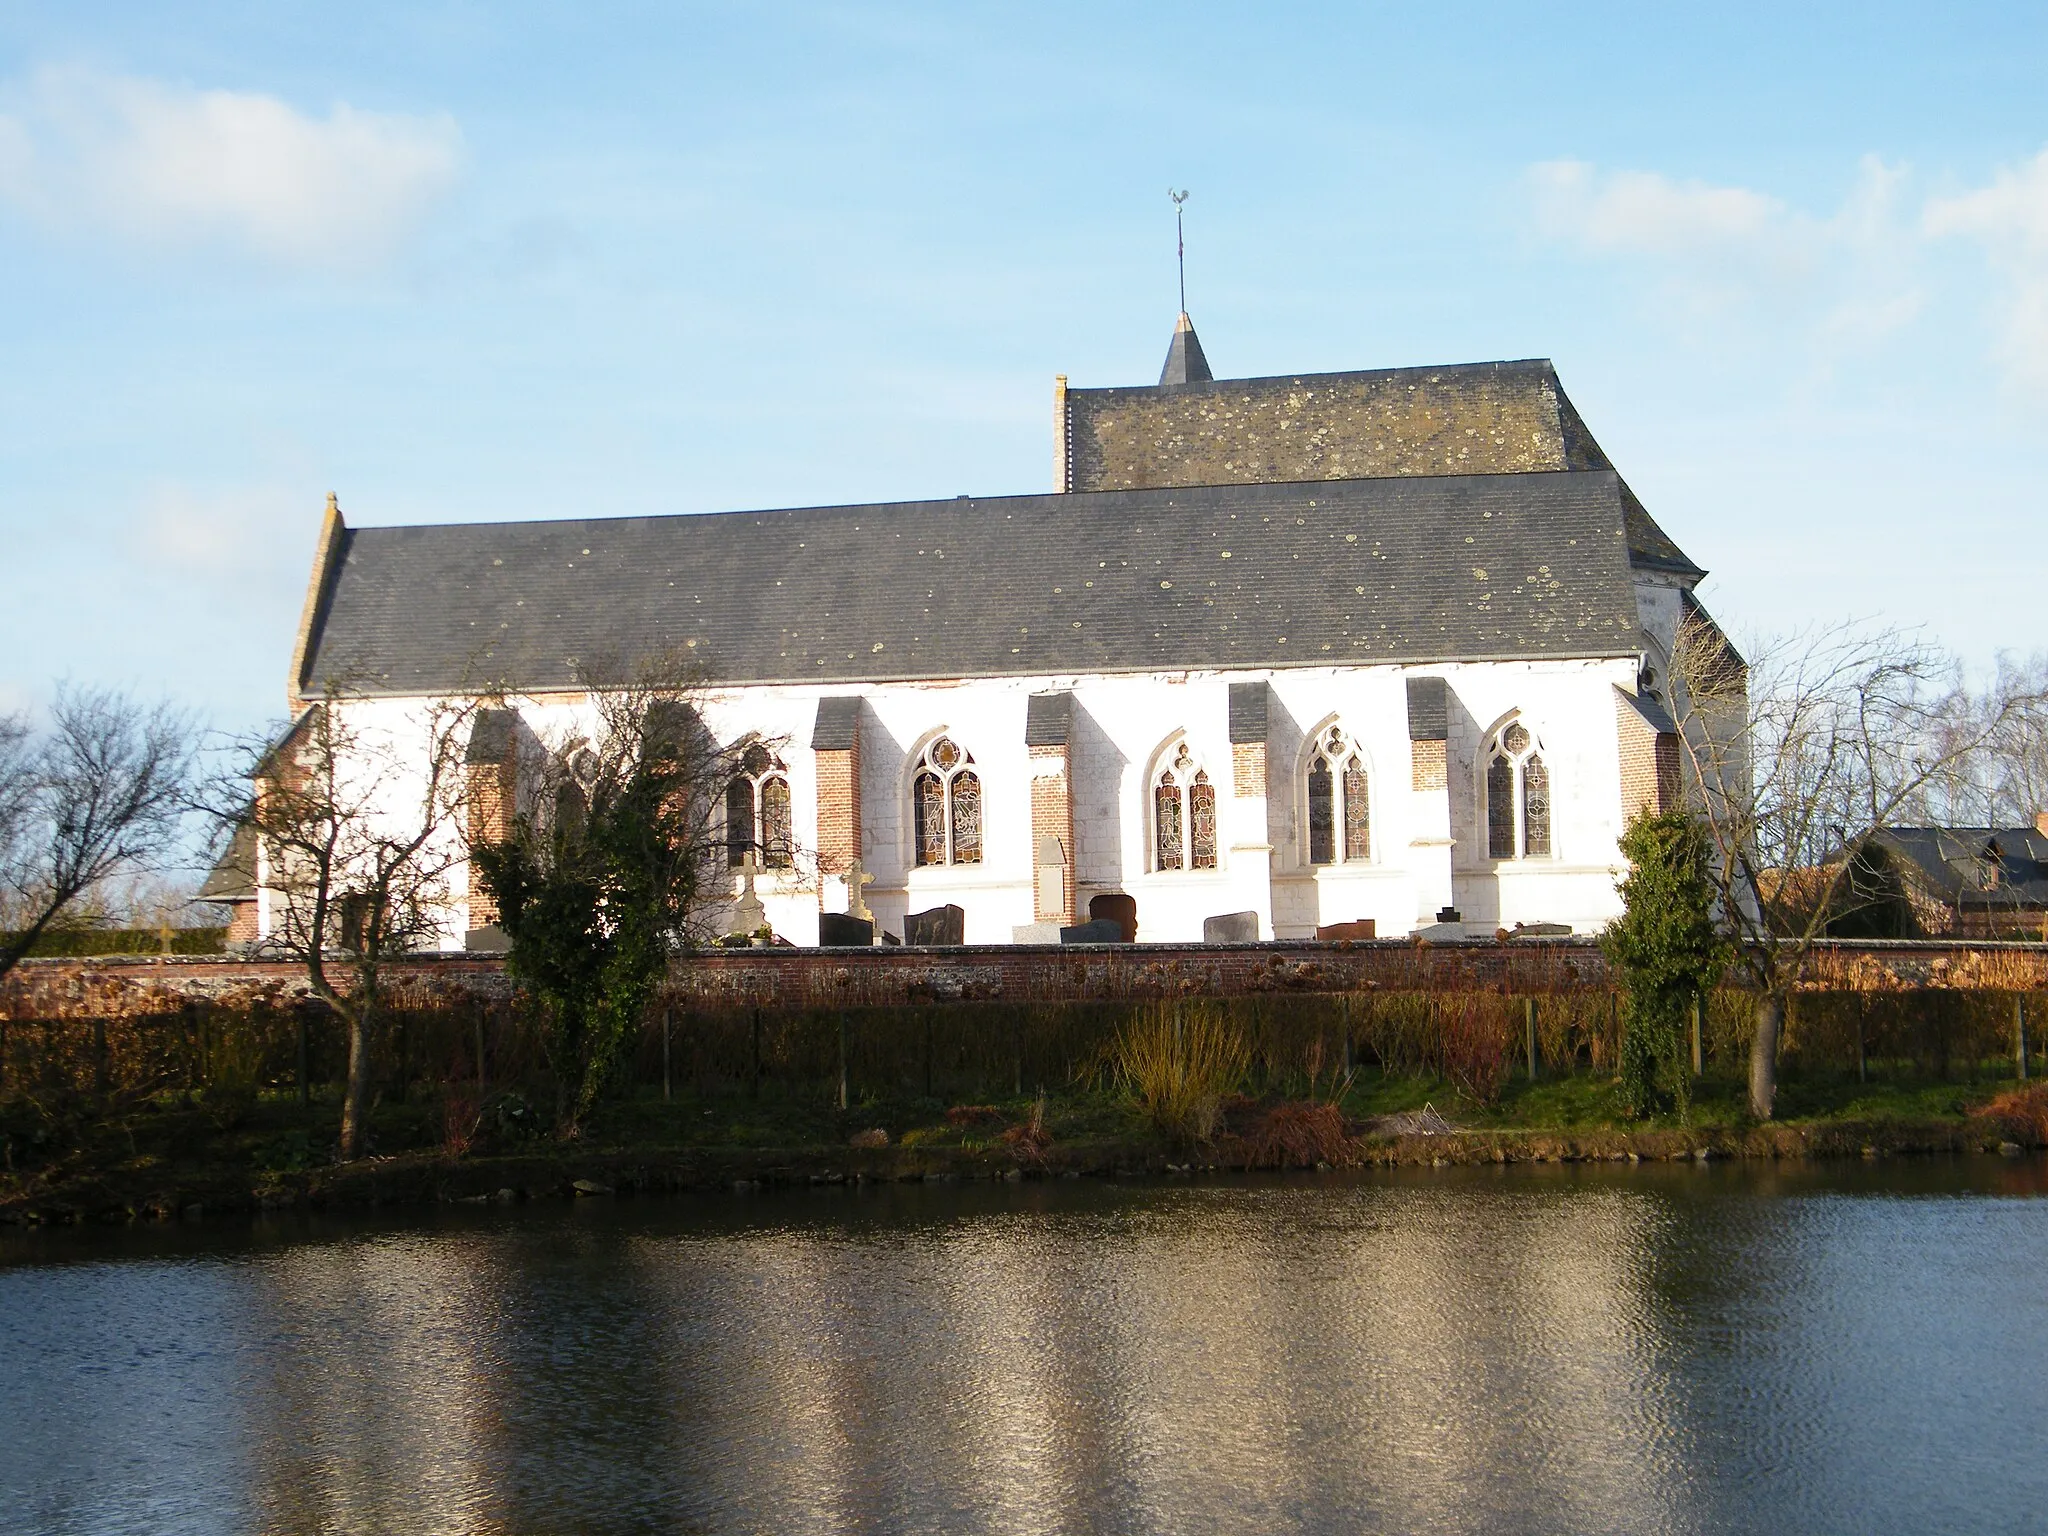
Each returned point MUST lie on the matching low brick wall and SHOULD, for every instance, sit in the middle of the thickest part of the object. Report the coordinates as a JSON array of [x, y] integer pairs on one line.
[[136, 985]]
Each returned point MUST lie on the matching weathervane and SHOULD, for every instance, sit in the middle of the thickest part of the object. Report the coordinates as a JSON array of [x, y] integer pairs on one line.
[[1180, 242]]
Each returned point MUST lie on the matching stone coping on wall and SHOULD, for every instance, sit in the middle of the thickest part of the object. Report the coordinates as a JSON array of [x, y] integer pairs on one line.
[[788, 977]]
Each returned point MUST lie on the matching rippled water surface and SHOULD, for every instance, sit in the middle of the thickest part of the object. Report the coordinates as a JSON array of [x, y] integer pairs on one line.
[[1669, 1349]]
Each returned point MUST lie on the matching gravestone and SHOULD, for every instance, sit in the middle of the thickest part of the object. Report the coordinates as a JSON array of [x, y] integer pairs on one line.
[[1120, 909], [1035, 933], [747, 913], [1101, 930], [1231, 928], [1358, 928], [857, 880], [940, 926], [836, 930]]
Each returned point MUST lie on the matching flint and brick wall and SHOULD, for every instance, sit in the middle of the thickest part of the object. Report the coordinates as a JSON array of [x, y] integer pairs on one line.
[[138, 985]]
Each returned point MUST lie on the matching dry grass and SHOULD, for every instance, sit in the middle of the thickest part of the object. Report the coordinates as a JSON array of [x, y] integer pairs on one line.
[[1029, 1138], [2023, 1112], [1179, 1061], [1299, 1134]]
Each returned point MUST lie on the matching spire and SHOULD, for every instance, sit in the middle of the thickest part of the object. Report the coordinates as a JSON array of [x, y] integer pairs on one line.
[[1185, 363]]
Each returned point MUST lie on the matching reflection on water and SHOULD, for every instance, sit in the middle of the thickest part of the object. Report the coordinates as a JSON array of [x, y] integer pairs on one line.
[[1541, 1350]]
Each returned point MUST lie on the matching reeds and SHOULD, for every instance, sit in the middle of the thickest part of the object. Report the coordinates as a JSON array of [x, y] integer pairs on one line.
[[1179, 1061]]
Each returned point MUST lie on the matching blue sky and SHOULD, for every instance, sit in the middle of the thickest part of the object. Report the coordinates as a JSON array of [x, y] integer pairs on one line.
[[465, 261]]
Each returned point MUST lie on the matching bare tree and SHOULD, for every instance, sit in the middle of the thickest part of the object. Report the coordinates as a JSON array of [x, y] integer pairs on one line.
[[102, 793], [358, 823], [1796, 761]]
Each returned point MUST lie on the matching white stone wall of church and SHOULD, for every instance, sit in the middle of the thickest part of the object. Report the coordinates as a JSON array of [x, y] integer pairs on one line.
[[1122, 724], [1569, 708]]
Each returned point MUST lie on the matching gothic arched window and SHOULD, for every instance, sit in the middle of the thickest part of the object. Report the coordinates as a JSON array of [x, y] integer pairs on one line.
[[1183, 814], [1517, 796], [757, 811], [945, 805], [1339, 802]]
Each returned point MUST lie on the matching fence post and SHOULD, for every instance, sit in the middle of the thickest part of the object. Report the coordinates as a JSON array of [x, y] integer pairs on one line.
[[99, 1057], [754, 1069], [1699, 1030], [1344, 1013], [843, 1096], [927, 1053], [1862, 1061], [667, 1028], [2019, 1033], [299, 1066], [1529, 1033], [481, 1076]]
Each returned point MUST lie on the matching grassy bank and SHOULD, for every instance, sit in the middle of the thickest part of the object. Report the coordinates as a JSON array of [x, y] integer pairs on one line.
[[162, 1156]]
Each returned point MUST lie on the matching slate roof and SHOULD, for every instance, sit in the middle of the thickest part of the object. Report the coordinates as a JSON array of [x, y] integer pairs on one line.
[[1429, 709], [1975, 866], [837, 726], [233, 876], [1185, 360], [1251, 712], [1048, 719], [1235, 576], [1461, 418]]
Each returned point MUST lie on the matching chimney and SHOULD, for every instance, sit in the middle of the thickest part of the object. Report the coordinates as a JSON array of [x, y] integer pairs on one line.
[[2041, 822]]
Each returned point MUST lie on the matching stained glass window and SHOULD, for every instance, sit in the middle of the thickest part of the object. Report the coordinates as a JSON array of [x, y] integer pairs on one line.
[[1517, 797], [1535, 808], [1322, 814], [1166, 815], [778, 846], [739, 821], [1357, 813], [1202, 823], [928, 803], [1500, 809], [946, 806], [966, 798]]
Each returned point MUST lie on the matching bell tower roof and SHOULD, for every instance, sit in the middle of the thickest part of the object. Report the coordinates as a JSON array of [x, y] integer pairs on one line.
[[1185, 363]]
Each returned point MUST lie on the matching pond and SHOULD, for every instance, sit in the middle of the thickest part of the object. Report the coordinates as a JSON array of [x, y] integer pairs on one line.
[[1721, 1348]]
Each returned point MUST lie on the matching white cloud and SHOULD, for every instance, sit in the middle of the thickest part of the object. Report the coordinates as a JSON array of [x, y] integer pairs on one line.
[[167, 165], [1638, 213], [1718, 252], [2009, 219], [229, 533]]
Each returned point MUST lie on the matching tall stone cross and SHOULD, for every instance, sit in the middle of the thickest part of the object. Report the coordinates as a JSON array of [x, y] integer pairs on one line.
[[748, 913], [856, 900]]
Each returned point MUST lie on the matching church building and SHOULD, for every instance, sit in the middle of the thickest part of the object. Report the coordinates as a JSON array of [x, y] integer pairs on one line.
[[1304, 651]]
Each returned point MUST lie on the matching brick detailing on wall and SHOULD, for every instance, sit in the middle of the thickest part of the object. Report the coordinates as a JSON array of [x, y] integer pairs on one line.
[[1062, 469], [243, 924], [839, 808], [1248, 769], [1428, 765], [1649, 757], [493, 793], [1052, 819]]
